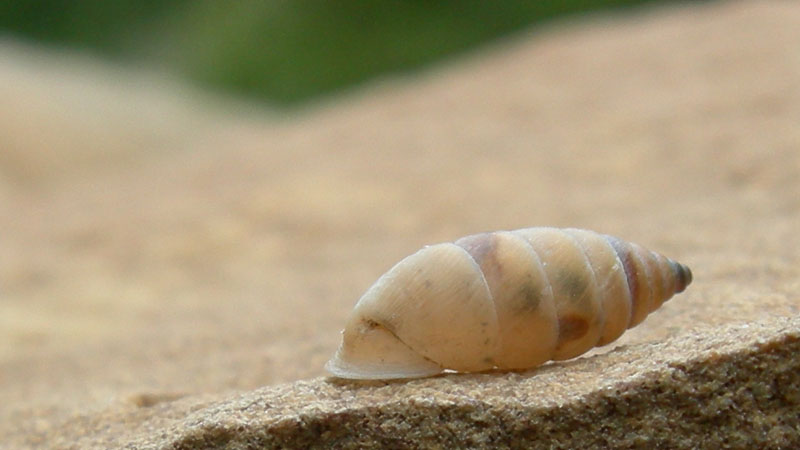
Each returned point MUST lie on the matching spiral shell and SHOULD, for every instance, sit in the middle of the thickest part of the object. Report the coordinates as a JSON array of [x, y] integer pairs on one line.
[[504, 300]]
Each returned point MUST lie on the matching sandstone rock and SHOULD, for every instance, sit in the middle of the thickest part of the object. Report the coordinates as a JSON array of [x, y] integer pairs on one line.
[[191, 298]]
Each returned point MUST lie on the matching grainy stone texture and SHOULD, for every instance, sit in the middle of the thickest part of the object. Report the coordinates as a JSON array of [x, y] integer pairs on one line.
[[175, 272]]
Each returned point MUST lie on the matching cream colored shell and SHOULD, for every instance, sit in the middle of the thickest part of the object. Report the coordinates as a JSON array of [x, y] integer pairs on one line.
[[505, 300]]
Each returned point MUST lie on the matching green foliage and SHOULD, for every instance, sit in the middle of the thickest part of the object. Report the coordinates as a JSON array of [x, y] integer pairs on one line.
[[283, 51]]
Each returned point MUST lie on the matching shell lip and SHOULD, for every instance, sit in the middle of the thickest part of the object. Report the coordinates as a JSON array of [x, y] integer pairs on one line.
[[340, 368]]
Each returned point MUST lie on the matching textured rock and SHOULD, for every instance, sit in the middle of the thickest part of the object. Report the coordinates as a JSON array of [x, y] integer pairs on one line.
[[734, 388], [186, 288]]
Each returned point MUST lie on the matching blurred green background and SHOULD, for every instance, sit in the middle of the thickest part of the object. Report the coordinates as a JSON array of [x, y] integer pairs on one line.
[[286, 52]]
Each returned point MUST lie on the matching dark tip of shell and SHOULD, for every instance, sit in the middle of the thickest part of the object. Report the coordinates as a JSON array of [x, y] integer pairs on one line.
[[684, 276], [688, 274]]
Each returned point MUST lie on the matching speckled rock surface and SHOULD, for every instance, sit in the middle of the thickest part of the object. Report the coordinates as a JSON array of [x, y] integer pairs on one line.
[[174, 272], [735, 388]]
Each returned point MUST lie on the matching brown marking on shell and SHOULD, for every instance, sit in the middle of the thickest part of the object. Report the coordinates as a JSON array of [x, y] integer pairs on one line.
[[574, 284], [572, 327], [369, 324], [528, 296]]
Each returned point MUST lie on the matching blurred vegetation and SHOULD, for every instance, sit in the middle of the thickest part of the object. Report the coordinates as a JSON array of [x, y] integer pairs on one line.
[[286, 52]]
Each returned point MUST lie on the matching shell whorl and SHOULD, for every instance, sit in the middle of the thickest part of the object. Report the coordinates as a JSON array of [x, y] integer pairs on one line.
[[505, 299]]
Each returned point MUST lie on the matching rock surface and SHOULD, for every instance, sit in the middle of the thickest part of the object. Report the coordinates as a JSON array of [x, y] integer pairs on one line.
[[175, 272]]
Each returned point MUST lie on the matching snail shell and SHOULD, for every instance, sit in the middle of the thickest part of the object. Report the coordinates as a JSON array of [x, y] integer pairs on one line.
[[505, 300]]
